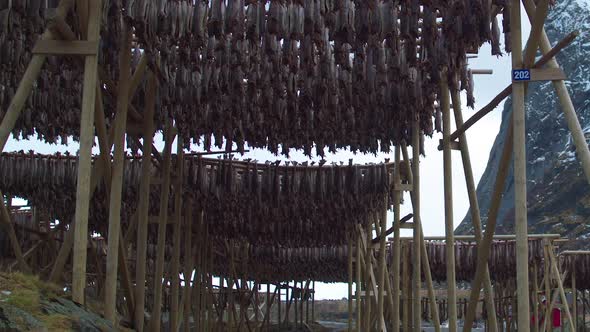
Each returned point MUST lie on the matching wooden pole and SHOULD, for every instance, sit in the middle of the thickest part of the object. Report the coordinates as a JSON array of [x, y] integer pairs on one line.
[[209, 282], [381, 263], [553, 260], [425, 262], [279, 306], [350, 275], [575, 299], [198, 286], [448, 189], [12, 236], [396, 241], [582, 150], [416, 278], [308, 296], [368, 268], [358, 270], [143, 204], [163, 219], [547, 274], [406, 302], [188, 263], [313, 301], [475, 215], [85, 156], [174, 279], [520, 201], [536, 296], [117, 176], [268, 304], [287, 304], [484, 248]]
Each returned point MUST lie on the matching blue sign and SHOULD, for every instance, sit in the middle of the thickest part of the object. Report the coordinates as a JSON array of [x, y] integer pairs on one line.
[[521, 75]]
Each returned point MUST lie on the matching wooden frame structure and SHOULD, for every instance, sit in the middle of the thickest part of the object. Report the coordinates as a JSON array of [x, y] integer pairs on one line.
[[197, 258]]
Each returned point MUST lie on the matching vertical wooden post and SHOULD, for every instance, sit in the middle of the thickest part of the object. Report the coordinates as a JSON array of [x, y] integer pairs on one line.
[[368, 269], [416, 278], [475, 215], [396, 240], [209, 281], [163, 220], [535, 296], [350, 272], [430, 286], [85, 158], [520, 201], [547, 274], [117, 175], [279, 306], [268, 304], [483, 251], [358, 271], [143, 204], [308, 296], [448, 189], [297, 293], [406, 303], [178, 192], [188, 263], [256, 304], [313, 301], [424, 259], [575, 299], [287, 303], [382, 254], [199, 265]]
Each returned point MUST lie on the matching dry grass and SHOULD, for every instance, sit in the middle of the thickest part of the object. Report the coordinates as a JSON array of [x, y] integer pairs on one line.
[[26, 292]]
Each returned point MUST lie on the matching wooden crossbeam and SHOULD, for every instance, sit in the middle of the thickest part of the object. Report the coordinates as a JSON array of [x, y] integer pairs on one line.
[[454, 145], [372, 280]]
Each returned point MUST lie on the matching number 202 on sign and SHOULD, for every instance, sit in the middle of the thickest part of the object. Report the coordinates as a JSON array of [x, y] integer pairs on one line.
[[521, 75]]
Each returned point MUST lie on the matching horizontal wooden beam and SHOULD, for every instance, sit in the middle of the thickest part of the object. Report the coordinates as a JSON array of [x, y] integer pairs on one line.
[[496, 237], [482, 71], [575, 252], [62, 47], [454, 145]]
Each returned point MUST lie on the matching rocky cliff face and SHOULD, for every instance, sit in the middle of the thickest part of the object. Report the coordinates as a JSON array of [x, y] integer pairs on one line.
[[558, 194]]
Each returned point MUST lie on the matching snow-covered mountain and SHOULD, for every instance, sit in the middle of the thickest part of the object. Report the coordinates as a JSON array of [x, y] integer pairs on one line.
[[558, 194]]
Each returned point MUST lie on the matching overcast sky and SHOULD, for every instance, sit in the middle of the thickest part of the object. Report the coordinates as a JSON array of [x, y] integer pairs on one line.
[[480, 138]]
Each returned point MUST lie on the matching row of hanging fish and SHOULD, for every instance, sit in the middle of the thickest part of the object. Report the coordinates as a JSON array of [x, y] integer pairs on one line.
[[277, 74], [295, 205], [278, 264], [502, 260]]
